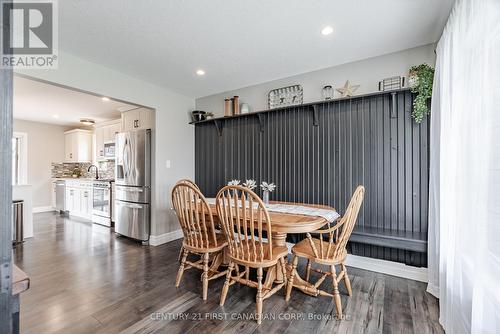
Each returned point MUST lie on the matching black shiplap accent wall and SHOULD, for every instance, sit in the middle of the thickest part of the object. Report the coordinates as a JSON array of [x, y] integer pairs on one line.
[[356, 141]]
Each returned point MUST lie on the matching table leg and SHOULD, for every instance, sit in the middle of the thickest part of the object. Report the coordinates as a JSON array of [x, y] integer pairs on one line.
[[279, 239]]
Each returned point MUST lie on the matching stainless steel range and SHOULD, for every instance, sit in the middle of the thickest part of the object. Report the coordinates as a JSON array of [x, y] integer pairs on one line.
[[102, 204], [133, 184]]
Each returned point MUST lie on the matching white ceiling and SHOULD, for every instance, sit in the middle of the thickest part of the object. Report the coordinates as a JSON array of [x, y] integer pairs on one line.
[[241, 43], [41, 102]]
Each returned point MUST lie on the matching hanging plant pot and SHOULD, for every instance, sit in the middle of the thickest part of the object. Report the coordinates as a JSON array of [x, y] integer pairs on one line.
[[421, 78], [412, 79]]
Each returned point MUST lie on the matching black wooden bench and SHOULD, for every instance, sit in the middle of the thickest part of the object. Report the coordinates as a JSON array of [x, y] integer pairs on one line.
[[407, 240]]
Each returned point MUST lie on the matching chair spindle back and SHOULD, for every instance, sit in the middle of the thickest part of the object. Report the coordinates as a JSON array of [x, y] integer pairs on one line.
[[338, 235], [244, 217], [194, 214]]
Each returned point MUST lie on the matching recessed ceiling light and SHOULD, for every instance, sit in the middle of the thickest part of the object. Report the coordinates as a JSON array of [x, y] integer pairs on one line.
[[105, 99], [55, 116], [200, 72], [87, 121], [326, 30]]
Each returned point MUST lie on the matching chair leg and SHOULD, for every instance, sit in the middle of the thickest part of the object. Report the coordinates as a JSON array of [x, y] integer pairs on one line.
[[289, 286], [347, 281], [336, 294], [181, 268], [283, 271], [180, 254], [204, 276], [259, 295], [247, 273], [308, 270], [226, 284]]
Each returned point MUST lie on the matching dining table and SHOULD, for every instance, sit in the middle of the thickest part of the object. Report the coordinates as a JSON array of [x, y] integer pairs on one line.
[[283, 224]]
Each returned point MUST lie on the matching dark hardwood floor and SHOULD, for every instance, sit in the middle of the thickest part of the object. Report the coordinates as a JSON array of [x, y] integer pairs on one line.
[[85, 280]]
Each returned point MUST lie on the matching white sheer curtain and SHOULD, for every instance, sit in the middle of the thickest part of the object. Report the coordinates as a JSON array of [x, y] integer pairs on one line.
[[464, 206]]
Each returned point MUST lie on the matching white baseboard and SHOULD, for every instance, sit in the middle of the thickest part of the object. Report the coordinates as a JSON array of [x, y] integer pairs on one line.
[[433, 290], [39, 209], [387, 267], [156, 240]]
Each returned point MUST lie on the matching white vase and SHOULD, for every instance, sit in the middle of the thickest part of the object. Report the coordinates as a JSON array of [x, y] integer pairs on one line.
[[265, 197], [244, 108]]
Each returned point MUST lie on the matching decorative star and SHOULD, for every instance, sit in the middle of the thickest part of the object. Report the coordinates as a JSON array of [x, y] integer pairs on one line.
[[347, 90]]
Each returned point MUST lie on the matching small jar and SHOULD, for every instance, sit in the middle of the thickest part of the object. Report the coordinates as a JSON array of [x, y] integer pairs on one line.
[[328, 92], [227, 107]]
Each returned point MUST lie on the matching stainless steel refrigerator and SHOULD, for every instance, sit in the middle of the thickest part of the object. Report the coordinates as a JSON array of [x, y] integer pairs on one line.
[[133, 184]]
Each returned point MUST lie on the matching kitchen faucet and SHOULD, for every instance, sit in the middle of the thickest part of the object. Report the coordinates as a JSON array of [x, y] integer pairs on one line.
[[96, 171]]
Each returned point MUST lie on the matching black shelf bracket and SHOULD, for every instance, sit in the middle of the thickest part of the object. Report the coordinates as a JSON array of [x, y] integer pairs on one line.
[[315, 115], [394, 106], [219, 125], [261, 121]]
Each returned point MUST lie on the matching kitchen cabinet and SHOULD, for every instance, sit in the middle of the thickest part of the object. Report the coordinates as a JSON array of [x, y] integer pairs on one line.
[[53, 194], [105, 135], [99, 143], [137, 119], [78, 145], [79, 198], [86, 202], [110, 132]]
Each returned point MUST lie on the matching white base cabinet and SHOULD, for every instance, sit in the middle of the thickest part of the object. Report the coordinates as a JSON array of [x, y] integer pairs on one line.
[[79, 197]]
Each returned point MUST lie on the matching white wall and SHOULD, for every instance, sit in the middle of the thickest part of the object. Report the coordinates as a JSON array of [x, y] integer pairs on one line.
[[174, 137], [45, 145], [366, 73]]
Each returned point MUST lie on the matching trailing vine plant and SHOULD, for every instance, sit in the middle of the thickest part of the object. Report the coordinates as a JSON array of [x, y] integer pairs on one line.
[[423, 88]]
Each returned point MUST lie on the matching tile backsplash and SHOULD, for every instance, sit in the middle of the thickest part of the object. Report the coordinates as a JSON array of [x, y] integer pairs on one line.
[[64, 170]]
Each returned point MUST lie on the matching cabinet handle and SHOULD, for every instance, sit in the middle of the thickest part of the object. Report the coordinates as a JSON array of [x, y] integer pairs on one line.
[[130, 205], [136, 123]]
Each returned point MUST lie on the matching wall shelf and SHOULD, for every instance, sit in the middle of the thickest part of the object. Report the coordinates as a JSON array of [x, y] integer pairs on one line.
[[314, 106]]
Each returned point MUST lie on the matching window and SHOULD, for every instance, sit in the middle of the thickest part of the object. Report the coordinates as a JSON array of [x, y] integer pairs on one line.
[[19, 158]]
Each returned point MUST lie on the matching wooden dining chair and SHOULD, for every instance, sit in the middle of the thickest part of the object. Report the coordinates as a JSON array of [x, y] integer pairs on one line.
[[185, 181], [244, 218], [200, 237], [188, 181], [330, 252]]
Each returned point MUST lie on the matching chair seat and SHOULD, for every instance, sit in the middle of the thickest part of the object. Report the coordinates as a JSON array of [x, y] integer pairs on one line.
[[304, 249], [212, 247], [278, 252]]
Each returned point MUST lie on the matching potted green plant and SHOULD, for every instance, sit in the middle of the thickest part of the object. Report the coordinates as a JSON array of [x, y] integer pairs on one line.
[[421, 80]]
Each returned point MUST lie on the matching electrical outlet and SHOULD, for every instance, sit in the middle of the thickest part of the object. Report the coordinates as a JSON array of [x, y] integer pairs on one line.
[[167, 164]]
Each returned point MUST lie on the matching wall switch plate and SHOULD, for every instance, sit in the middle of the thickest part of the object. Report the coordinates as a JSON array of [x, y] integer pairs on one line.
[[167, 164]]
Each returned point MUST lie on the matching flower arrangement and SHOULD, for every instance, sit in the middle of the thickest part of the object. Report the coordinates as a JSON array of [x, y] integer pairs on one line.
[[268, 186], [250, 184], [233, 183]]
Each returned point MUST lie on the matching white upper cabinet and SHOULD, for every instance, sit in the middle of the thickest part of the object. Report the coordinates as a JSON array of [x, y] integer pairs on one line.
[[110, 132], [78, 145], [99, 143], [104, 135], [137, 119]]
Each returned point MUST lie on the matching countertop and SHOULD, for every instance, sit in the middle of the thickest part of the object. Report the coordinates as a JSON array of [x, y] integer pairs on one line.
[[81, 179]]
